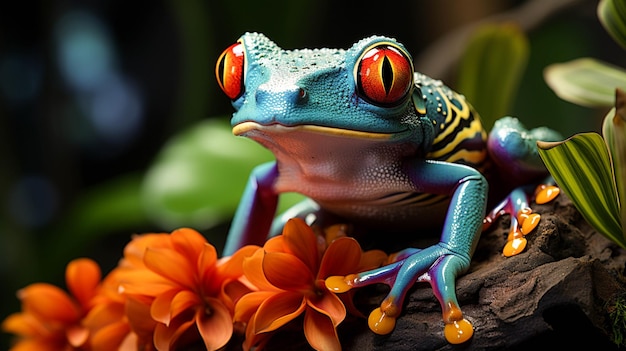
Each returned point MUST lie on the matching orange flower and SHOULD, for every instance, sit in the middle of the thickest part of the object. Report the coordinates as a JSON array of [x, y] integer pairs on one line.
[[189, 291], [108, 323], [50, 319], [289, 274]]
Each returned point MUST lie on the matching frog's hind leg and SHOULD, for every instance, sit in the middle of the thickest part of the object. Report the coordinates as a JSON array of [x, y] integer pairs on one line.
[[523, 220], [513, 150]]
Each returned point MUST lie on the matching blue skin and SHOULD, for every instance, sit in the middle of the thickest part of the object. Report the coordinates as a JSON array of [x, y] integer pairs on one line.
[[365, 161]]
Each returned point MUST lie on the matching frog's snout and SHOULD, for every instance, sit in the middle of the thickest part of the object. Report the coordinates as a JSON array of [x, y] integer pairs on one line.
[[286, 97], [273, 105]]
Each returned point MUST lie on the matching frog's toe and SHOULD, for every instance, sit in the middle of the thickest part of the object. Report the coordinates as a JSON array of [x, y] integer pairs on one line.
[[521, 225], [523, 219], [458, 332], [526, 220], [435, 266], [546, 193], [382, 320], [443, 281]]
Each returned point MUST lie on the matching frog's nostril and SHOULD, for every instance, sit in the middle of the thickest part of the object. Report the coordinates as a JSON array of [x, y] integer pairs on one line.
[[303, 96]]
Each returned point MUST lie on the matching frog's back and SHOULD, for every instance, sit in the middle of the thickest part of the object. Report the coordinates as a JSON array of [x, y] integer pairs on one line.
[[459, 134]]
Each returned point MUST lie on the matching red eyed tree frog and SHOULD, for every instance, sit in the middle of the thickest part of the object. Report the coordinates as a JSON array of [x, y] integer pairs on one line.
[[367, 139]]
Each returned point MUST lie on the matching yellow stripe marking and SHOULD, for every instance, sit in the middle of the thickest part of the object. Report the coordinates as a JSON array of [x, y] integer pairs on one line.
[[475, 126]]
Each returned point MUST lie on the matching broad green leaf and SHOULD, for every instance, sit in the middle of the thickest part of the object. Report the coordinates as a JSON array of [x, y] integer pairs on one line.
[[491, 69], [612, 15], [199, 176], [585, 81], [581, 166], [614, 131]]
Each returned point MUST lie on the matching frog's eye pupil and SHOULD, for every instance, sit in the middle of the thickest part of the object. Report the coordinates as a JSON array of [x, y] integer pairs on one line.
[[229, 71], [387, 74], [384, 75]]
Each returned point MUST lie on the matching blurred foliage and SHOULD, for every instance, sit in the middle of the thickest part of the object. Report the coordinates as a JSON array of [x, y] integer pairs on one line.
[[586, 81], [99, 192], [611, 14], [491, 69], [199, 176]]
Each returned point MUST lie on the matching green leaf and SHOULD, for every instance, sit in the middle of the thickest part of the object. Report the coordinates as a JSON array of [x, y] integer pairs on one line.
[[491, 69], [199, 176], [614, 132], [585, 81], [612, 15], [581, 166]]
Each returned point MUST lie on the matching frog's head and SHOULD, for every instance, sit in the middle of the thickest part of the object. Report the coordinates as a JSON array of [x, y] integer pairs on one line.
[[362, 92]]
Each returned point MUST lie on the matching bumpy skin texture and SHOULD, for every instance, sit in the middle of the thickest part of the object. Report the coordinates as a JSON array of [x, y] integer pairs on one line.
[[370, 151]]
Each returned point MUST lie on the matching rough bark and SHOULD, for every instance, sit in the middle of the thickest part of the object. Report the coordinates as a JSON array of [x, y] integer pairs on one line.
[[555, 293]]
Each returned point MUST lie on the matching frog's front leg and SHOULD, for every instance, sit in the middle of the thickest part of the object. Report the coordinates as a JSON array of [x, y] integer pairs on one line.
[[257, 208], [439, 264]]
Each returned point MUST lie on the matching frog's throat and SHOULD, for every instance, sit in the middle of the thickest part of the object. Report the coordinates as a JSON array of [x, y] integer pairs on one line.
[[244, 127]]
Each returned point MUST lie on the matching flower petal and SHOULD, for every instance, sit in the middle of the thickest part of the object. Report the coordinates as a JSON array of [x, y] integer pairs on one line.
[[183, 301], [135, 249], [103, 314], [320, 332], [232, 266], [206, 266], [287, 272], [171, 265], [77, 335], [335, 231], [110, 337], [275, 244], [131, 343], [342, 257], [143, 282], [255, 341], [249, 303], [23, 324], [277, 310], [49, 302], [372, 259], [188, 242], [253, 270], [330, 305], [160, 309], [139, 319], [232, 291], [36, 345], [301, 241], [215, 328], [82, 277], [165, 337]]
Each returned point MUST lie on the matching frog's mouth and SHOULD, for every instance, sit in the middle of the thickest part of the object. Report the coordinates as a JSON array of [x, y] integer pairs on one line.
[[245, 127]]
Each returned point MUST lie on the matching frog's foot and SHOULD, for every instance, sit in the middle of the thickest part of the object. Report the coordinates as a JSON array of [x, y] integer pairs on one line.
[[523, 220], [437, 265]]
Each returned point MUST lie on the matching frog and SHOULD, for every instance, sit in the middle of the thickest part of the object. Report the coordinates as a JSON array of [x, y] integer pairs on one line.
[[368, 139]]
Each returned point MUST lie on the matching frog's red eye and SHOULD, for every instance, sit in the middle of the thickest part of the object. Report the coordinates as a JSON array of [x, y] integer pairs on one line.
[[384, 75], [229, 71]]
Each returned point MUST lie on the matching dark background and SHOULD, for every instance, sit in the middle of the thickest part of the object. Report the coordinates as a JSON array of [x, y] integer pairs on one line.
[[91, 90]]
